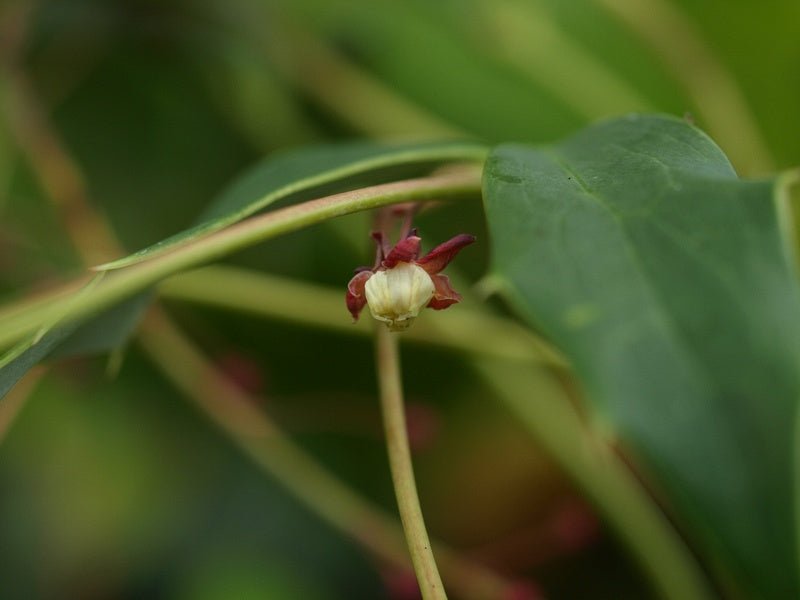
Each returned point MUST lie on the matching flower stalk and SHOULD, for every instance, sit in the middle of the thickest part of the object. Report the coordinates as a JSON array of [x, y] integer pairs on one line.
[[394, 421]]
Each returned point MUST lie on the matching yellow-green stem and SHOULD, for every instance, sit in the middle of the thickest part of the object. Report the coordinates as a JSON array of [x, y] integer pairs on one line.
[[349, 92], [544, 409], [394, 421], [472, 330]]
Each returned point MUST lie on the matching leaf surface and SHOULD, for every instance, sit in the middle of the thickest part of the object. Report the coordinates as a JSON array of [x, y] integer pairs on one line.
[[664, 278]]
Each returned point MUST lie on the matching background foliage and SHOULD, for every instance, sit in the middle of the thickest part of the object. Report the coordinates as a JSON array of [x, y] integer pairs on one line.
[[113, 486]]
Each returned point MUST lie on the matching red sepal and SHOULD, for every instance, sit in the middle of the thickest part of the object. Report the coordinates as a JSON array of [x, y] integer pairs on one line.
[[406, 250], [355, 297], [438, 258], [382, 247], [443, 295]]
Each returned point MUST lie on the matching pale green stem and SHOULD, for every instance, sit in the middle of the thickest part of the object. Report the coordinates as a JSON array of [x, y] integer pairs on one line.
[[545, 410], [322, 492], [474, 331], [350, 92], [526, 35], [123, 283], [31, 310], [405, 488], [455, 153], [721, 105]]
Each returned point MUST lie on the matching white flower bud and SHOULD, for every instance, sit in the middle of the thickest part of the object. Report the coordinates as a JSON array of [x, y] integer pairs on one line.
[[395, 296]]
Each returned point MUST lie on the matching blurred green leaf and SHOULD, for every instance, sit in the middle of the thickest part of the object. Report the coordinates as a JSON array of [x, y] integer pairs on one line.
[[430, 63], [301, 174], [248, 578], [665, 280], [108, 330]]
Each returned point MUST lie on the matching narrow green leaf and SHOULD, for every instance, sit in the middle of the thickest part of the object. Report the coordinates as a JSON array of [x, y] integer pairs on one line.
[[27, 354], [108, 330], [102, 333], [306, 173], [665, 280]]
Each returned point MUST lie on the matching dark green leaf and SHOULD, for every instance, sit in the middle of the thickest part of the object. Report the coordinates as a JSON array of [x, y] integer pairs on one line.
[[102, 333], [301, 174], [665, 280], [22, 358], [108, 330]]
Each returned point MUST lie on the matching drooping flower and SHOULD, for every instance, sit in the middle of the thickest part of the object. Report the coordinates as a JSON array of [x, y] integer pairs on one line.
[[400, 284]]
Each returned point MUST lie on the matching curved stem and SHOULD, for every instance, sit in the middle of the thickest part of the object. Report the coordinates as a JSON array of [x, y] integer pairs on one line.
[[543, 408], [126, 282], [394, 421]]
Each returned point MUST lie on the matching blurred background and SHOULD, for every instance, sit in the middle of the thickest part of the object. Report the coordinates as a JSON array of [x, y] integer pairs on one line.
[[111, 484]]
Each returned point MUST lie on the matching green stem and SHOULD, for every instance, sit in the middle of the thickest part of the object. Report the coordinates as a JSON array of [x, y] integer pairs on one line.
[[720, 102], [318, 489], [350, 92], [121, 284], [527, 36], [474, 331], [394, 421], [544, 409]]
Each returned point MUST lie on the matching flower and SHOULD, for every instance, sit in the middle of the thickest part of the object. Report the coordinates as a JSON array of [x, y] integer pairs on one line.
[[401, 284]]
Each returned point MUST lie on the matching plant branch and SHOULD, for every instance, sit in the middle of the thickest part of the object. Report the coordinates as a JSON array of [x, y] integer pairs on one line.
[[394, 422], [123, 283]]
